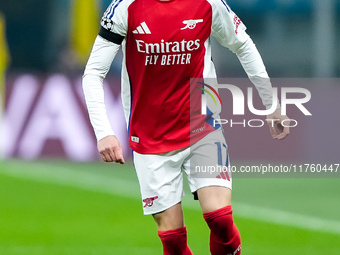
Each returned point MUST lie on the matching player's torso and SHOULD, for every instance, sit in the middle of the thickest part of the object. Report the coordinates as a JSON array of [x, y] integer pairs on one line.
[[167, 34], [165, 47]]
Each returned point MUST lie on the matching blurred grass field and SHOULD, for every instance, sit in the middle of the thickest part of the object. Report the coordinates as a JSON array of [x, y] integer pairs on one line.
[[55, 207]]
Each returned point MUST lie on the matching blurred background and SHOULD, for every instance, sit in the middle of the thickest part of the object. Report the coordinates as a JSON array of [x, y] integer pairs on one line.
[[57, 198], [297, 38], [45, 46]]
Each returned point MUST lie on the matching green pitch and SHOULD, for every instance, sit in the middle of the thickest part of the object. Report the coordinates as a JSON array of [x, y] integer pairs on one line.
[[58, 208]]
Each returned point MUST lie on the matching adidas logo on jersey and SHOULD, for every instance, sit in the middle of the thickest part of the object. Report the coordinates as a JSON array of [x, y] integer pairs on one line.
[[142, 29]]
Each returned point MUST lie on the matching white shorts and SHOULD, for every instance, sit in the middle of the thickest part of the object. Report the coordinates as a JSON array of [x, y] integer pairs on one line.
[[161, 175]]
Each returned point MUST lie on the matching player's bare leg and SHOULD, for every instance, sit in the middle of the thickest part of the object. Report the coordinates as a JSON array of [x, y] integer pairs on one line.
[[172, 231], [216, 206], [213, 198], [170, 219]]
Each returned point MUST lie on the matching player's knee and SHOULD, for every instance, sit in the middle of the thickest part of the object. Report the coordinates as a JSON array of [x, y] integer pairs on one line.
[[165, 224], [213, 198], [170, 219]]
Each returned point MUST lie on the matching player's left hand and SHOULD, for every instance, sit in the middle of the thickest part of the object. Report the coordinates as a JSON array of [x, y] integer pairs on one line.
[[274, 121]]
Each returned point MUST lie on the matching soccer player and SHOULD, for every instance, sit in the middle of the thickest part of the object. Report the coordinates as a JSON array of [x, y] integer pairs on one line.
[[165, 44]]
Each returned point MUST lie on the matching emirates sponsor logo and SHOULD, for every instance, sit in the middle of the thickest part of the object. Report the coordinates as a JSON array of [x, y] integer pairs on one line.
[[168, 53], [167, 47]]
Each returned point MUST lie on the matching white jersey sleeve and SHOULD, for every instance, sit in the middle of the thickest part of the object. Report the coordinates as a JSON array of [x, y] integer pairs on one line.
[[98, 65], [115, 18], [112, 33], [230, 32]]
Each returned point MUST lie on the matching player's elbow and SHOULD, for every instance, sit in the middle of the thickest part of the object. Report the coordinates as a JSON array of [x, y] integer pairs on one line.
[[244, 47], [94, 72]]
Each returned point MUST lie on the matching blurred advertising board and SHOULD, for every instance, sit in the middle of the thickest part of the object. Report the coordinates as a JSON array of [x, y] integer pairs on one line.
[[46, 117]]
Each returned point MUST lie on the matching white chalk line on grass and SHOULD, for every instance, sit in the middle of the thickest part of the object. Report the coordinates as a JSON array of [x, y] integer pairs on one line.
[[93, 181]]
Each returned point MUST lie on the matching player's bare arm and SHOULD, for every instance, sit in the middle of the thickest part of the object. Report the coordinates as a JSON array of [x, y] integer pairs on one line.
[[110, 149]]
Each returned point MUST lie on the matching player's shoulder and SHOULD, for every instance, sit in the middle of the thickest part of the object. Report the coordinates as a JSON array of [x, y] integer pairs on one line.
[[219, 4], [115, 17], [117, 6]]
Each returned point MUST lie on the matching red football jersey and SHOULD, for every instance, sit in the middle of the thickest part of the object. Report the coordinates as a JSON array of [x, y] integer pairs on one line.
[[165, 44]]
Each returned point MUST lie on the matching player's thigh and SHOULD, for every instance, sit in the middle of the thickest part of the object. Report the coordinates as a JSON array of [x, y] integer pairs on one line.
[[208, 173], [160, 179], [212, 198]]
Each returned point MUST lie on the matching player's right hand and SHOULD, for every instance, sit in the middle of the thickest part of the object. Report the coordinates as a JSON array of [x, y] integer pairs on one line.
[[110, 149]]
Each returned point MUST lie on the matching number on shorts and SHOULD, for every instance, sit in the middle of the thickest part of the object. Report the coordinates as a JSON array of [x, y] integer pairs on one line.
[[219, 158]]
